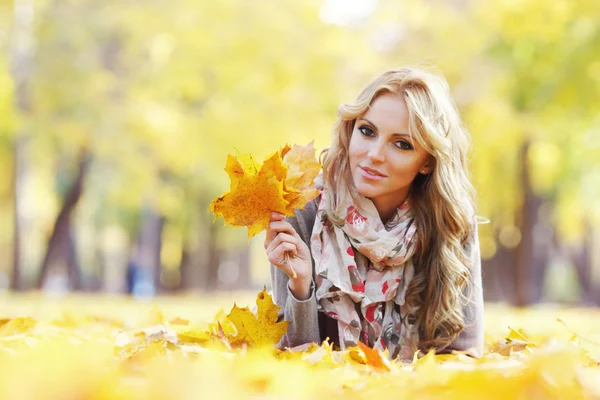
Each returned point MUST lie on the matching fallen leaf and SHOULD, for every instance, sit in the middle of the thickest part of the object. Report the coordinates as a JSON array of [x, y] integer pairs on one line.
[[508, 346], [518, 334], [160, 333], [179, 321], [258, 330], [194, 336], [373, 357], [221, 326], [17, 326], [154, 317], [516, 341]]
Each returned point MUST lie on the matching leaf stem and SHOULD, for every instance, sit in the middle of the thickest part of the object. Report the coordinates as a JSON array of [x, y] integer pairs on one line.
[[287, 261]]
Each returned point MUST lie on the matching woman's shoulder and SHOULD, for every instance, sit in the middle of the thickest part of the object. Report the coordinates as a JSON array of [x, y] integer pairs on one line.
[[472, 237]]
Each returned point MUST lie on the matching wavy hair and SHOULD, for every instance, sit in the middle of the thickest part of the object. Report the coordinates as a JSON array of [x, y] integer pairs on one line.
[[443, 201]]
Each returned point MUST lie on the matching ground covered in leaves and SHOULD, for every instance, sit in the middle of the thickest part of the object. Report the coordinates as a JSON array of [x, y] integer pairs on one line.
[[100, 347]]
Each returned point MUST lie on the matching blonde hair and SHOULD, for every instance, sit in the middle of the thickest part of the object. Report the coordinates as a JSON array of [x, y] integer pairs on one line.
[[443, 201]]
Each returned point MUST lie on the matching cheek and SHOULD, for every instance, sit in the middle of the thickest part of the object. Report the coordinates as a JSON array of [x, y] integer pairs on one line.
[[354, 149], [407, 167]]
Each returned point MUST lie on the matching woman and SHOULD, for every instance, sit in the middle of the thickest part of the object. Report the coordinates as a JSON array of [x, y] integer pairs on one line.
[[388, 254]]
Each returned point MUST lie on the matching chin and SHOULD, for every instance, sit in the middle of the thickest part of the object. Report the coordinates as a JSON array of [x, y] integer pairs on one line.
[[364, 189], [369, 194]]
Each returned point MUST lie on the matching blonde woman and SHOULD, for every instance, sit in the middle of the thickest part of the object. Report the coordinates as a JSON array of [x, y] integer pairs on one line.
[[388, 254]]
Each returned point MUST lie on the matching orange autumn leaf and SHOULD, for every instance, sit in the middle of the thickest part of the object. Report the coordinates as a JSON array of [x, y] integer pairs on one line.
[[282, 183], [257, 330], [373, 357]]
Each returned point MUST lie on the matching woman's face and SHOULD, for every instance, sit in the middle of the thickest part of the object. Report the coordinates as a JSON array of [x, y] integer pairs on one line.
[[384, 160]]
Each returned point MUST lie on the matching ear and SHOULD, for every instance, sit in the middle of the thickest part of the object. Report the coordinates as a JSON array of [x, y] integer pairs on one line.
[[427, 166]]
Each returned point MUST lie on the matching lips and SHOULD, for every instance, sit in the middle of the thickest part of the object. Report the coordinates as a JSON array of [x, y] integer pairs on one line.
[[372, 171]]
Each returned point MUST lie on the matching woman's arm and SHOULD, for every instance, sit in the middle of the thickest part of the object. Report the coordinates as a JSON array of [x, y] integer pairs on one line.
[[471, 338], [302, 314]]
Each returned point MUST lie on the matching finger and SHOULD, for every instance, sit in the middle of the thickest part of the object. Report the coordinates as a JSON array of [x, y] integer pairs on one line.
[[277, 256], [269, 237], [299, 241], [276, 216], [281, 226], [296, 235], [283, 238], [276, 227]]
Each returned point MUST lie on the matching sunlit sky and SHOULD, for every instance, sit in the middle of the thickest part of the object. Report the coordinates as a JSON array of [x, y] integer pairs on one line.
[[343, 12]]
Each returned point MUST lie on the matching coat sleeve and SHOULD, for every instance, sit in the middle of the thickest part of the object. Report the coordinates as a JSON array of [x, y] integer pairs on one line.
[[302, 314], [471, 338]]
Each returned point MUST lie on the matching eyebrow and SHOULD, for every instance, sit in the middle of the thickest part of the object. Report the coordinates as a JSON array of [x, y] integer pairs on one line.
[[393, 134]]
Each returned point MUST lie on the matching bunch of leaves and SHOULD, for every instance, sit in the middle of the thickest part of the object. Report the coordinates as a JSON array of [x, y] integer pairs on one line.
[[282, 183]]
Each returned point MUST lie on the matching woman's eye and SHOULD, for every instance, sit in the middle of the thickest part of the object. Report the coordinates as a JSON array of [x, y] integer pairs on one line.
[[365, 130], [404, 145]]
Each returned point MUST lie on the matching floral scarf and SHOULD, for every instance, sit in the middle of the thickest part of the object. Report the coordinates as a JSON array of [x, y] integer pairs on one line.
[[363, 269]]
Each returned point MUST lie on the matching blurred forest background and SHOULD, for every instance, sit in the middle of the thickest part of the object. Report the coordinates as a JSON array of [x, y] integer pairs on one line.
[[116, 117]]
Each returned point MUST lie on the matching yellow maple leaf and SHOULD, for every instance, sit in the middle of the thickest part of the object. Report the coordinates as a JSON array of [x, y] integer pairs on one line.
[[221, 324], [257, 330], [302, 165], [253, 195], [282, 183]]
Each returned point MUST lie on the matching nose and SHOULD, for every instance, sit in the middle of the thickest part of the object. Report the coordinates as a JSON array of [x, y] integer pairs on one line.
[[376, 151]]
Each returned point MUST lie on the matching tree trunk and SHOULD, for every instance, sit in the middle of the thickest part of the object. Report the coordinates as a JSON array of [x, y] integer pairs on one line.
[[60, 246], [190, 271], [185, 269], [498, 275], [594, 245], [73, 267], [205, 258], [244, 278], [149, 246], [97, 282], [581, 258], [21, 65], [211, 282], [17, 283], [526, 266]]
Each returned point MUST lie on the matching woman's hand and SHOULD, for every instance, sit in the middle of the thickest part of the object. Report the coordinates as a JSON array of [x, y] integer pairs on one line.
[[281, 238]]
